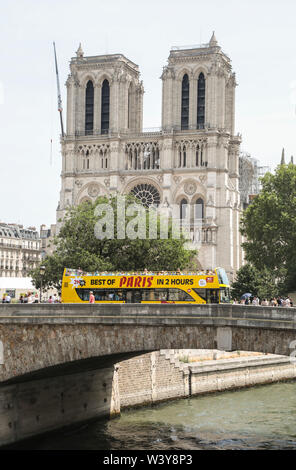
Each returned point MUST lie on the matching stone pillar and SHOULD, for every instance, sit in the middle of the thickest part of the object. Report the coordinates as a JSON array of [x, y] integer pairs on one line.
[[70, 106], [139, 122], [167, 154], [114, 111], [220, 110], [80, 108], [114, 155]]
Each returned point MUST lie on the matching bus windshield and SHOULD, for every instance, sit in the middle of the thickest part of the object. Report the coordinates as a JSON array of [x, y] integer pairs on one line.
[[222, 276]]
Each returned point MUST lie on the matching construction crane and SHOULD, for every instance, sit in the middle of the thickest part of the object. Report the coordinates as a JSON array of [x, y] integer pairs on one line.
[[60, 108]]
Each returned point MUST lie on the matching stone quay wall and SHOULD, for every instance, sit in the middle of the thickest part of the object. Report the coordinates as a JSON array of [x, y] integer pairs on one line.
[[165, 377]]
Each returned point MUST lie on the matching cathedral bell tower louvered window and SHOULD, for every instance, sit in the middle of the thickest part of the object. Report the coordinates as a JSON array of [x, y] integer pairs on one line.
[[201, 98], [185, 103], [89, 108], [105, 111]]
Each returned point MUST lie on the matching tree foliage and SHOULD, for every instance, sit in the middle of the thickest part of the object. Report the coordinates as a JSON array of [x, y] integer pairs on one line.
[[78, 247], [261, 283], [269, 226]]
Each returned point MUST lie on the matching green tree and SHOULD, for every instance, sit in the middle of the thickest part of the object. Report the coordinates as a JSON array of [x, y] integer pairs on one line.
[[78, 247], [269, 226], [261, 283]]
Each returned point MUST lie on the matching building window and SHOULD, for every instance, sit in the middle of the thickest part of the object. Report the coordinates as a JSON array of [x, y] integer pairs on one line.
[[86, 161], [105, 111], [184, 156], [89, 108], [147, 194], [199, 209], [201, 155], [185, 103], [183, 208], [201, 97]]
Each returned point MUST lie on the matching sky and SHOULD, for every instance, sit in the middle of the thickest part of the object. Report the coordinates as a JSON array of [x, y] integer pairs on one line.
[[258, 35]]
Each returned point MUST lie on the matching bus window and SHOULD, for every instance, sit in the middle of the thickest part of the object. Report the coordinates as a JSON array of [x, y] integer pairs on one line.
[[179, 295], [224, 295], [211, 296], [160, 294]]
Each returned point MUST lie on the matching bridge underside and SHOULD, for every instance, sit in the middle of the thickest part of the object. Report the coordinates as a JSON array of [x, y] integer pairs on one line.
[[75, 367]]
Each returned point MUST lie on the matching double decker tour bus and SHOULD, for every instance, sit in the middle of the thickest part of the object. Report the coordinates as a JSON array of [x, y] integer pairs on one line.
[[146, 287]]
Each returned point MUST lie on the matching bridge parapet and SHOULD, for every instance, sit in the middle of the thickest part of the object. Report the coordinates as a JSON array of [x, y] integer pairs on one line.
[[149, 314]]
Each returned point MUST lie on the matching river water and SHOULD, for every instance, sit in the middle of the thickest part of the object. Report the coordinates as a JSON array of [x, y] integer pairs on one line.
[[262, 417]]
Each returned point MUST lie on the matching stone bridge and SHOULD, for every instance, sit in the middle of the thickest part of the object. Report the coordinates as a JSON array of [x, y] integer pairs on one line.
[[58, 360]]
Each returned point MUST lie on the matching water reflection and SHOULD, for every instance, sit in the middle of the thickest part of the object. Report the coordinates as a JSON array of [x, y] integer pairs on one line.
[[256, 418]]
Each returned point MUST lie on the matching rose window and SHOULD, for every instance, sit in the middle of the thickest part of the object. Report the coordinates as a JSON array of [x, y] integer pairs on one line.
[[148, 194]]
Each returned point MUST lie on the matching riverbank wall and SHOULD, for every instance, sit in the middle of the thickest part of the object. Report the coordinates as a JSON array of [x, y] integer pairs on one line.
[[170, 374]]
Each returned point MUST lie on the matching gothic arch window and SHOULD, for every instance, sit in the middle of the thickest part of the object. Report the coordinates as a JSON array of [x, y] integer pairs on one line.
[[199, 209], [185, 103], [184, 156], [85, 163], [105, 109], [201, 101], [147, 194], [197, 155], [89, 108], [183, 208], [200, 156]]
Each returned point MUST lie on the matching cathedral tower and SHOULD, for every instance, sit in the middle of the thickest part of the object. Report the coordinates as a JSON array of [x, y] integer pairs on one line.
[[192, 162]]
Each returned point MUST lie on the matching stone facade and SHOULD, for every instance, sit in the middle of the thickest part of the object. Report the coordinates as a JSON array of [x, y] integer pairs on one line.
[[191, 161], [19, 250], [46, 238]]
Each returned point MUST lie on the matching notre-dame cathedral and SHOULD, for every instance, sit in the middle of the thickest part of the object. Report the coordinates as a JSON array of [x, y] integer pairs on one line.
[[192, 161]]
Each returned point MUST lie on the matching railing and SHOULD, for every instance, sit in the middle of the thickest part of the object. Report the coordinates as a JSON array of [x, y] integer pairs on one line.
[[77, 272], [146, 132], [10, 245]]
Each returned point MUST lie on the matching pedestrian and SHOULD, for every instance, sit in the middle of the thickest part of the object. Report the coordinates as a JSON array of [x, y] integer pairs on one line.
[[35, 299], [91, 297], [7, 299], [50, 301]]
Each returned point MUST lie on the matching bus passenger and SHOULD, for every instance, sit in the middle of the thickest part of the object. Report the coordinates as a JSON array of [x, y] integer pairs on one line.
[[91, 297]]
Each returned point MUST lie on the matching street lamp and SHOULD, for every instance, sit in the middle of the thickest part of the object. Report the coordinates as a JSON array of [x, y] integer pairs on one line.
[[42, 272]]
